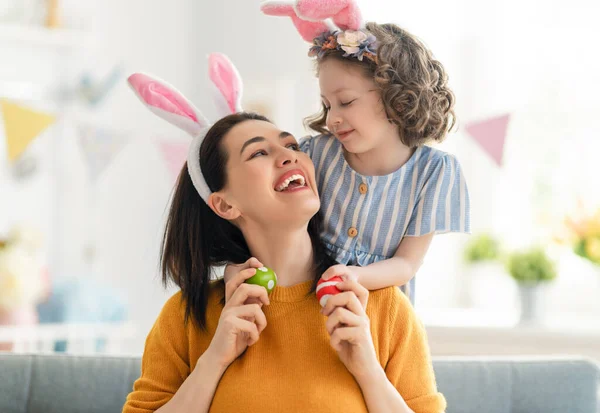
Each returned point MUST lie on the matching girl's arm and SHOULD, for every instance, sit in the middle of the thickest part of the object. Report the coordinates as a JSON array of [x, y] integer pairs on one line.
[[395, 271], [399, 269], [454, 207]]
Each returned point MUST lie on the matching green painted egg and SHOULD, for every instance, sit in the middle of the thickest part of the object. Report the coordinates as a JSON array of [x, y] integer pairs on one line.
[[264, 276]]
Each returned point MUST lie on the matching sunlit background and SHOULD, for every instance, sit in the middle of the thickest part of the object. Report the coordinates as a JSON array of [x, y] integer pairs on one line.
[[86, 171]]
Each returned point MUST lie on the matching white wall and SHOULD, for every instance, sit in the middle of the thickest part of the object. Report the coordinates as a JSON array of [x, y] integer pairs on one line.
[[123, 213], [509, 56]]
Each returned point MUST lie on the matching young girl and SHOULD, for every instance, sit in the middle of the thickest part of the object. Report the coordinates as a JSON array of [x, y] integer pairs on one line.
[[384, 96]]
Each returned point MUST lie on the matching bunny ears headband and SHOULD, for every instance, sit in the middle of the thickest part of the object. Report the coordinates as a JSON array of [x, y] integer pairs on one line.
[[309, 17], [165, 101]]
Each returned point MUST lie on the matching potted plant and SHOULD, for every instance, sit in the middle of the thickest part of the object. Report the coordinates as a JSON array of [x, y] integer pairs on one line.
[[531, 269], [482, 248]]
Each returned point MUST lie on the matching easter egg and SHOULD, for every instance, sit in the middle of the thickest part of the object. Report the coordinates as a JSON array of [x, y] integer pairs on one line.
[[327, 288], [264, 276]]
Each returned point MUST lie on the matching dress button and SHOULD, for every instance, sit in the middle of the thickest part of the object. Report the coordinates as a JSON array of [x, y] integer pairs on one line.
[[362, 188], [352, 232]]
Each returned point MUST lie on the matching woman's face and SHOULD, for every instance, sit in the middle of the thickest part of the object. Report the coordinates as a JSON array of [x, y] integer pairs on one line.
[[269, 180]]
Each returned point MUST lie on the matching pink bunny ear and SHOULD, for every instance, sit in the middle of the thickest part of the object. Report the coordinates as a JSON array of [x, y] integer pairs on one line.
[[307, 29], [349, 18], [345, 13], [166, 102], [228, 81]]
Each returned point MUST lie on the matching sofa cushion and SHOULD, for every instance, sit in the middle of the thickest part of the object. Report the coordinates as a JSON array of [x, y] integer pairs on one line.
[[61, 383], [518, 385], [65, 383]]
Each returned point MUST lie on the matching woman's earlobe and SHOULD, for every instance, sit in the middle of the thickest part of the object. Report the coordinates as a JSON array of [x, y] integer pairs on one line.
[[222, 208]]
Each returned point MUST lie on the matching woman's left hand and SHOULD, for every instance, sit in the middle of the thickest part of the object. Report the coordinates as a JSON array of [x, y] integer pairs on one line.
[[349, 328]]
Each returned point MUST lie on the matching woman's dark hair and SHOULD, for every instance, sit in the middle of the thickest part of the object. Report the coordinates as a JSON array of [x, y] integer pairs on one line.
[[196, 239], [413, 84]]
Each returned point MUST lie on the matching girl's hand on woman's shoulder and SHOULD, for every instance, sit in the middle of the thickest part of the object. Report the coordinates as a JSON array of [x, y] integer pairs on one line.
[[346, 272], [242, 319]]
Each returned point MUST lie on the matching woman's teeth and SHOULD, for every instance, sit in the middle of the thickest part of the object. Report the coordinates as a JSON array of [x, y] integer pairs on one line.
[[298, 179]]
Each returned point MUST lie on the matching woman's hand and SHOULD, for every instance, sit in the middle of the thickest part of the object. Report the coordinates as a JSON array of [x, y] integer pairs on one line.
[[231, 270], [242, 319], [349, 328]]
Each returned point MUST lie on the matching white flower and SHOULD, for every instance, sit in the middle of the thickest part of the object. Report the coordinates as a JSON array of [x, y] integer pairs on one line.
[[25, 237], [350, 40], [20, 279]]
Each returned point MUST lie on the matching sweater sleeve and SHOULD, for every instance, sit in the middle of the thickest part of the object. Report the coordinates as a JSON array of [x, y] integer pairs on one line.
[[409, 367], [165, 363]]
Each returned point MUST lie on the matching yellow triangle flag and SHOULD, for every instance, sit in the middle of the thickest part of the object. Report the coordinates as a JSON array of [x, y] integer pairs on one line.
[[21, 126]]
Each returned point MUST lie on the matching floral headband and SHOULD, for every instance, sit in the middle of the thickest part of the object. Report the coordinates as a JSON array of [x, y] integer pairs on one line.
[[355, 43], [327, 25]]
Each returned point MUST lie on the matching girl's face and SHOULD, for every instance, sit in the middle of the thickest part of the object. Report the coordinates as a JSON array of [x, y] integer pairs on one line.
[[268, 178], [355, 113]]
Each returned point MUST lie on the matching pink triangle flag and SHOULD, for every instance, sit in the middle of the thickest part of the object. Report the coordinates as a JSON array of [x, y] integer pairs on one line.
[[491, 135], [174, 154]]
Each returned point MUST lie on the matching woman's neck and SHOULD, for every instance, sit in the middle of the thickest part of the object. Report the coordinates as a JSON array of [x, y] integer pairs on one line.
[[287, 252], [381, 160]]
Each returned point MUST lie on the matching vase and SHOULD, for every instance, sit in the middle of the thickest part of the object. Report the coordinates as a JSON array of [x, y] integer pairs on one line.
[[532, 303], [19, 317]]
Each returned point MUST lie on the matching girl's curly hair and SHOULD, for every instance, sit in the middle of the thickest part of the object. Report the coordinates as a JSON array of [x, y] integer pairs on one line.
[[414, 86]]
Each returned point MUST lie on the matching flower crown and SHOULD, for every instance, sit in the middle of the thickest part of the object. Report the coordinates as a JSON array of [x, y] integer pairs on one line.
[[355, 43]]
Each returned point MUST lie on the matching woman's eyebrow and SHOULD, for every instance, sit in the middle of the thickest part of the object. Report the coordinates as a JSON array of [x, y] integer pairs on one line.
[[251, 141], [256, 139]]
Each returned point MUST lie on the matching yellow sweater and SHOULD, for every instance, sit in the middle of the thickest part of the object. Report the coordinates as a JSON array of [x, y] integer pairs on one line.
[[292, 368]]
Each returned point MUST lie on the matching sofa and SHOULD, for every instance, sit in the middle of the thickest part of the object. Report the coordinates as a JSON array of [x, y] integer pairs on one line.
[[63, 383]]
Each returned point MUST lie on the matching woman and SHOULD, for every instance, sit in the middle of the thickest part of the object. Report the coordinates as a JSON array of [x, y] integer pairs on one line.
[[225, 348]]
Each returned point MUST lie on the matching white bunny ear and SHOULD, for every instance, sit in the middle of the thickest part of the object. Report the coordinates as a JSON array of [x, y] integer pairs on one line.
[[228, 82], [166, 102]]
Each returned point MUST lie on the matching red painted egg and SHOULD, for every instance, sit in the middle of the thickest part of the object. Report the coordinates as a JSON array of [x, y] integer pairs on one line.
[[327, 288]]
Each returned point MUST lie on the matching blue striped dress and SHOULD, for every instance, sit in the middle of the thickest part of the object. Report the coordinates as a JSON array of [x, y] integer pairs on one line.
[[366, 217]]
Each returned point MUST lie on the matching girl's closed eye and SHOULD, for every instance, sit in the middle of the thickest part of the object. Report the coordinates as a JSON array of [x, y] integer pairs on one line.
[[342, 104]]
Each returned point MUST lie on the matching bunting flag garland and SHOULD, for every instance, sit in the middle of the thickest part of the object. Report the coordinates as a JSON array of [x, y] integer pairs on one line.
[[21, 126], [490, 134]]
